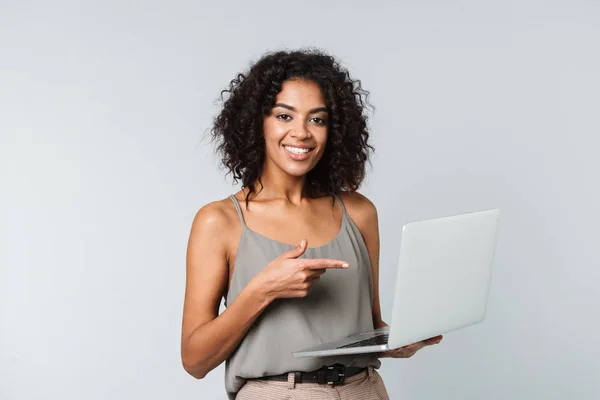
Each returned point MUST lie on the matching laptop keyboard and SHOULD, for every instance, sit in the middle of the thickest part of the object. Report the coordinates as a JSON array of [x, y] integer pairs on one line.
[[374, 341]]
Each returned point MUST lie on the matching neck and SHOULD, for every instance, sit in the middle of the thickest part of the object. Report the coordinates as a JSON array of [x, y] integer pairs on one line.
[[279, 185]]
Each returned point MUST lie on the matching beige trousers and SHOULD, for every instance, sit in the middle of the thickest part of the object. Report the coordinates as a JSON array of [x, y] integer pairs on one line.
[[367, 385]]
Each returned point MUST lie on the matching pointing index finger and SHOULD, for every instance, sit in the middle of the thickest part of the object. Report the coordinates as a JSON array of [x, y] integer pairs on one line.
[[320, 263]]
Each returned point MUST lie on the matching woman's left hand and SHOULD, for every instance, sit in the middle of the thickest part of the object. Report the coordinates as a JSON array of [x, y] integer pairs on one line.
[[410, 350]]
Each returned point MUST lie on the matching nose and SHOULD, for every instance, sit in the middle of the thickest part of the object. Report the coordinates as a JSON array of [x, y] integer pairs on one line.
[[300, 131]]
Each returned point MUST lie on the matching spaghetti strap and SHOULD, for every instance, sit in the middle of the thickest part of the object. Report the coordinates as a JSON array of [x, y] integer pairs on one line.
[[341, 203], [236, 203]]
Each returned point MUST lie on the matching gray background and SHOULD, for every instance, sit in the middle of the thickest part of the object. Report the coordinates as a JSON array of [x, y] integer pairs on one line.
[[103, 106]]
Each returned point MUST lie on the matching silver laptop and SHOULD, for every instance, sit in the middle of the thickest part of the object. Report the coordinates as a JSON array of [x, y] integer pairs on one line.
[[442, 283]]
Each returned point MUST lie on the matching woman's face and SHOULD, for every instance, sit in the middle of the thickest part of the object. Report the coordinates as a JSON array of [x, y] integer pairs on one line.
[[296, 129]]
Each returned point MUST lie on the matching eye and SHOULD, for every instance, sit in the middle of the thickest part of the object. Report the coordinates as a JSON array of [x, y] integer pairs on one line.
[[319, 121], [284, 117]]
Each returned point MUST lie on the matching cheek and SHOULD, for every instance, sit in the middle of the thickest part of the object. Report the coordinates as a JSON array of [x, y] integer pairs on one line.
[[273, 132], [321, 139]]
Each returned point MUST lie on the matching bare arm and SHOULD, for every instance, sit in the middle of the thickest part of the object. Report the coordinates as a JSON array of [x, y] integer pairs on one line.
[[208, 338]]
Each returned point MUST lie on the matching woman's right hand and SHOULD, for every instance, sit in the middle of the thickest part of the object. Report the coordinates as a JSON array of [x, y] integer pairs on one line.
[[287, 276]]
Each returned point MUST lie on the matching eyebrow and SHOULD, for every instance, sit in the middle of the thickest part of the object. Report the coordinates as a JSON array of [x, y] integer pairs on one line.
[[313, 111]]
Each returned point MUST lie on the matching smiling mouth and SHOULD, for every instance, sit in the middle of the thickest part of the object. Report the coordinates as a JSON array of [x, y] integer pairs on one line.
[[298, 150]]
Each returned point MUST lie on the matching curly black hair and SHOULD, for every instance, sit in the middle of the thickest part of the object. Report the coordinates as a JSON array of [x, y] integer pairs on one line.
[[238, 128]]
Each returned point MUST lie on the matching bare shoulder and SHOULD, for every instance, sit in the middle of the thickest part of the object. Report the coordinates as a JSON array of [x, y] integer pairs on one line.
[[215, 220], [214, 215], [362, 210]]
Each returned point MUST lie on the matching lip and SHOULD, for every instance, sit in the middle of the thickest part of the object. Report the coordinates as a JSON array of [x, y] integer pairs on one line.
[[298, 157]]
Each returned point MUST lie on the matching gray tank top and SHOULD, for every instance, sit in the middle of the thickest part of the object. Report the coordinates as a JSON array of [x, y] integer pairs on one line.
[[340, 304]]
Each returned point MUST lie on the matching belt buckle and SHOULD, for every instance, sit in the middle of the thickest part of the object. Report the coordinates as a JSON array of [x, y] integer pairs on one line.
[[335, 374]]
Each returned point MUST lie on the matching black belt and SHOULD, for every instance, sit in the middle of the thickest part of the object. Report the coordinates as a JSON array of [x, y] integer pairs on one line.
[[333, 375]]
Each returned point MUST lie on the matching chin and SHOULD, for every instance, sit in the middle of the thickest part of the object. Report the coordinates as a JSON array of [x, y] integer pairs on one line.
[[296, 172], [293, 168]]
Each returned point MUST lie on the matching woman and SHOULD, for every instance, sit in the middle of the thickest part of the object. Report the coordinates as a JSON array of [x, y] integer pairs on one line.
[[295, 252]]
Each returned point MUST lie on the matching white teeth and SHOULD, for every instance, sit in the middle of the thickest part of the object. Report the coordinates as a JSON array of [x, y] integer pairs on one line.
[[296, 150]]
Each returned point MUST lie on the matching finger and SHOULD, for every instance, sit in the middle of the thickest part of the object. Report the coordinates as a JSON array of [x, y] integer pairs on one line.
[[409, 347], [402, 352], [310, 274], [300, 293], [433, 340], [407, 352], [318, 272], [320, 263], [296, 251], [414, 347]]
